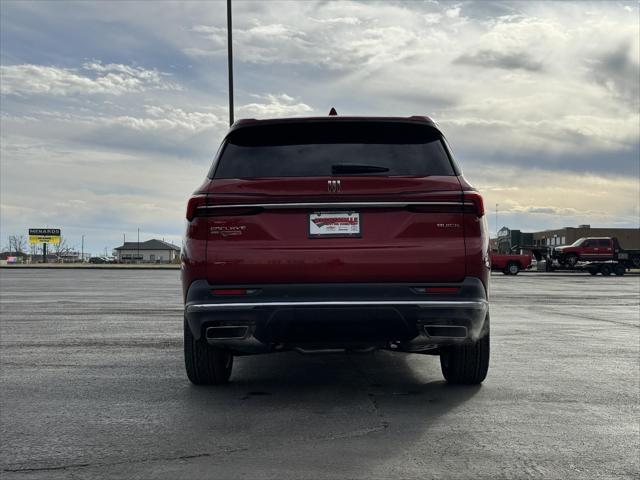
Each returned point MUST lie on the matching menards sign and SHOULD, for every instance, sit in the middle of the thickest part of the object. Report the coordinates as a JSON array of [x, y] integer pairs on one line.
[[44, 235]]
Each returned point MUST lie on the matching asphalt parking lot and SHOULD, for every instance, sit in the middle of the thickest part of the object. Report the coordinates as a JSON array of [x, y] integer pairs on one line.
[[93, 386]]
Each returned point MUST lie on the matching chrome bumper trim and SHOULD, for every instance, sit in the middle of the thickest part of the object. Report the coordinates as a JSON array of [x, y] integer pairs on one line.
[[467, 304]]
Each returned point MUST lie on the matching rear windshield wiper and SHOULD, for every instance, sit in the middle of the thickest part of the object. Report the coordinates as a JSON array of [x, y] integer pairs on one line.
[[344, 168]]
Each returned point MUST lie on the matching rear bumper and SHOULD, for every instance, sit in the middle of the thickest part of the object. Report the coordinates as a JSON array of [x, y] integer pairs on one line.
[[280, 317]]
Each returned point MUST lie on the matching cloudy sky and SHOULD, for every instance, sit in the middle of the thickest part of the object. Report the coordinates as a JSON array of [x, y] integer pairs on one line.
[[111, 112]]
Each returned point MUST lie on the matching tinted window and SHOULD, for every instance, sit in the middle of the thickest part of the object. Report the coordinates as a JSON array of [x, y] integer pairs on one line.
[[604, 243], [344, 148]]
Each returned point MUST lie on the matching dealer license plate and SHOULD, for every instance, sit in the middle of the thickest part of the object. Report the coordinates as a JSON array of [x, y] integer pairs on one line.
[[334, 224]]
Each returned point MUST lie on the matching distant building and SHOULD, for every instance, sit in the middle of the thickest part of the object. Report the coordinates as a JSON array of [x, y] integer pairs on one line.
[[512, 239], [628, 237], [509, 239], [13, 257], [151, 251]]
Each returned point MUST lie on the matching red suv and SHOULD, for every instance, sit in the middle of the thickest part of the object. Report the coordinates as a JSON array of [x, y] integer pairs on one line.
[[335, 233]]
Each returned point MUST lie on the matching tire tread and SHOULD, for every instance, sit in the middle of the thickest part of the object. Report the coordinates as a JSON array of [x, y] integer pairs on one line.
[[466, 364], [205, 364]]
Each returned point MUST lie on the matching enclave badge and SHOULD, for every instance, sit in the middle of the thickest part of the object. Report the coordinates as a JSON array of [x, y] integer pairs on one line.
[[228, 231], [333, 186]]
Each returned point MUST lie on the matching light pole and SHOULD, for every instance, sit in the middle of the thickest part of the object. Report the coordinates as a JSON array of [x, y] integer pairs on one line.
[[138, 256], [496, 222], [82, 251], [230, 62]]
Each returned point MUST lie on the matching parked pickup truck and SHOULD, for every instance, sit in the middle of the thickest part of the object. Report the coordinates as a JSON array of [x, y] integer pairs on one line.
[[510, 263], [595, 249]]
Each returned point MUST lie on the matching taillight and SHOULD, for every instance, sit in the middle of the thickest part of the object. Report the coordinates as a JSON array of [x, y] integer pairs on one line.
[[233, 211], [438, 202], [474, 200], [193, 204]]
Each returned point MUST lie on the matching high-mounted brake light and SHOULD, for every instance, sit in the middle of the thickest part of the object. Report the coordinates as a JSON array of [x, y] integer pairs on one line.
[[192, 205], [475, 199]]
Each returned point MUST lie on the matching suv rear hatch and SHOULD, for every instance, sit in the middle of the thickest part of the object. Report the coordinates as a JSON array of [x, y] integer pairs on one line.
[[333, 201]]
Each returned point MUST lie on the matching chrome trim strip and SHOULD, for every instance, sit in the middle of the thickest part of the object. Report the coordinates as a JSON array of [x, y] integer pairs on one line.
[[327, 205], [472, 304]]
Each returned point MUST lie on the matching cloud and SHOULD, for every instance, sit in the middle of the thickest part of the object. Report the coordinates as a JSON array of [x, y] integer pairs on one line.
[[493, 59], [274, 105], [537, 198], [335, 41], [92, 78], [160, 129], [617, 71], [163, 118], [549, 210], [453, 12]]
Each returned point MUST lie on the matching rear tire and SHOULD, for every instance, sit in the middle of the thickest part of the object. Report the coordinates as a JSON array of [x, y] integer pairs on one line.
[[606, 270], [513, 268], [205, 364], [619, 270], [466, 364], [593, 271]]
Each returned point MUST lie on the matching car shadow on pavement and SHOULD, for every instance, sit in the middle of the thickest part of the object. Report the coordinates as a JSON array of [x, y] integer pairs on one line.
[[328, 406]]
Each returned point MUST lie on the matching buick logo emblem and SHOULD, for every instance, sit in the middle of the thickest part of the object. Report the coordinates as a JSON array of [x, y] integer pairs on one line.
[[333, 186]]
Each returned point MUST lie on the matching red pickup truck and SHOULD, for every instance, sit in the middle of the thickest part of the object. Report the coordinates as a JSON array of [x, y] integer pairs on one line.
[[594, 249], [510, 263]]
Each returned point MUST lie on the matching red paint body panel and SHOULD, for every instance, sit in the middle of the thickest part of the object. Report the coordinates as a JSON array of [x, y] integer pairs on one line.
[[499, 261], [193, 255], [397, 244], [591, 249]]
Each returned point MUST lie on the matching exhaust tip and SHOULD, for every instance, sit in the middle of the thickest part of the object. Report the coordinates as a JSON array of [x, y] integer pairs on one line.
[[445, 331], [224, 332]]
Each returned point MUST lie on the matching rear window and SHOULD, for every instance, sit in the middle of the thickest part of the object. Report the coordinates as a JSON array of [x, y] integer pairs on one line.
[[324, 149]]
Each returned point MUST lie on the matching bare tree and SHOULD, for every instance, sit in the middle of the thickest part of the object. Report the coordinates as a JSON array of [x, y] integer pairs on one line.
[[61, 249], [17, 244]]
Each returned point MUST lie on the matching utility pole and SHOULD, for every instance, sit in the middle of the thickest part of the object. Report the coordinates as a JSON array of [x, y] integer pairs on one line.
[[82, 254], [230, 62], [138, 256], [496, 222]]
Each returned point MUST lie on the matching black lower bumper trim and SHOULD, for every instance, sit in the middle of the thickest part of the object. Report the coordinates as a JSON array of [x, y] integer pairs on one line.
[[343, 316]]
